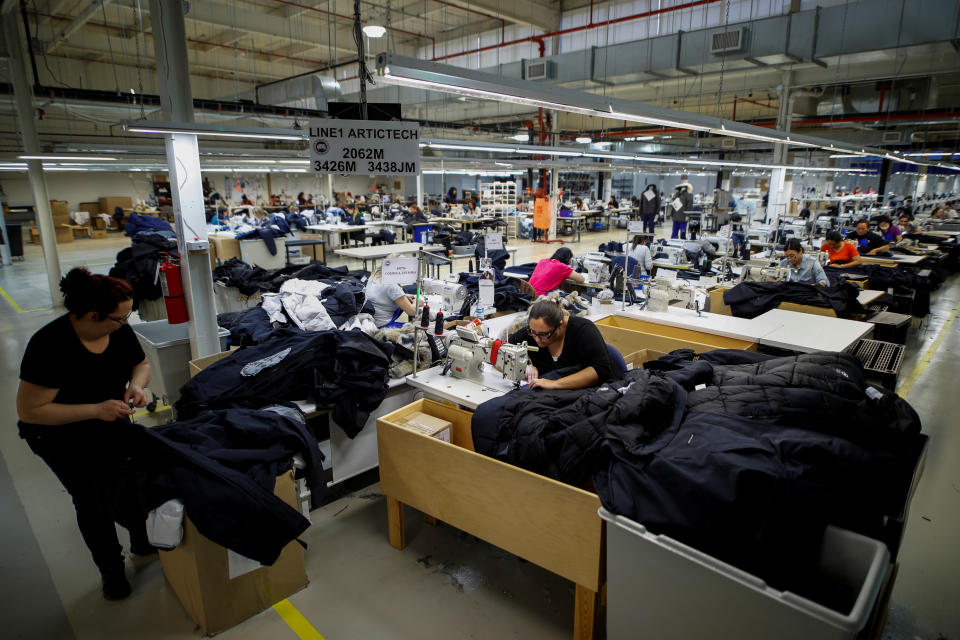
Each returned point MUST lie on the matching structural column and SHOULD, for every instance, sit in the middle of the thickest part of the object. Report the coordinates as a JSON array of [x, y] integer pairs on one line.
[[780, 187], [23, 90], [420, 189], [173, 76]]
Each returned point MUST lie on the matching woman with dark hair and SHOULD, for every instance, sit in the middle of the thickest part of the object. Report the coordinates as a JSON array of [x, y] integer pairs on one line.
[[451, 197], [81, 376], [301, 199], [841, 254], [802, 268], [564, 341], [640, 252], [551, 272], [888, 231]]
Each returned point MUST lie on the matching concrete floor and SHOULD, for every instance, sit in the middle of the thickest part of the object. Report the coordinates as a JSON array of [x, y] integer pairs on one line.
[[445, 584]]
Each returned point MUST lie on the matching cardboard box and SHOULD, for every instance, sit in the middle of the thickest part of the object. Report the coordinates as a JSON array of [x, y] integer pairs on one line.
[[198, 365], [64, 233], [98, 223], [99, 233], [107, 205], [717, 305], [59, 208], [225, 245], [429, 425], [93, 208], [199, 572], [636, 359]]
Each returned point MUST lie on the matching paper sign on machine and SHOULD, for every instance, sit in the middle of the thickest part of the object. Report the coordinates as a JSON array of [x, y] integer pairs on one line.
[[494, 240], [399, 271]]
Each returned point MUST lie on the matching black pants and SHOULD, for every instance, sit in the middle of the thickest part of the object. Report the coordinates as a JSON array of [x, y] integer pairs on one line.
[[73, 453], [649, 220]]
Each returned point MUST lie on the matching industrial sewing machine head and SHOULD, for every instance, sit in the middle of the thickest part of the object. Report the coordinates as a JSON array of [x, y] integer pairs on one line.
[[660, 293], [471, 347]]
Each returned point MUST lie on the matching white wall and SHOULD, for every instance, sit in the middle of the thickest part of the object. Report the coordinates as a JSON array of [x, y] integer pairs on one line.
[[77, 186]]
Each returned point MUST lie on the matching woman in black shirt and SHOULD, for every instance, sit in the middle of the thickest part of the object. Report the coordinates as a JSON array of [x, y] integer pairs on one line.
[[564, 341], [80, 378]]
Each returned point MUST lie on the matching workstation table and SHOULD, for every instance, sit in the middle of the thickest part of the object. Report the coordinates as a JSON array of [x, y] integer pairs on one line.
[[577, 224], [304, 242], [895, 259], [333, 231], [509, 249], [382, 251], [396, 224]]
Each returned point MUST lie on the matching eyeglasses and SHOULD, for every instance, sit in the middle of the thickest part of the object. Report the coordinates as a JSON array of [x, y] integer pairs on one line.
[[121, 319], [543, 335]]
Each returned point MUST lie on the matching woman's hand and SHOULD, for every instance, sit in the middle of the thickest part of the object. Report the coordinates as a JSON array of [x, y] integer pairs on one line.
[[135, 393], [543, 383], [112, 410], [532, 374]]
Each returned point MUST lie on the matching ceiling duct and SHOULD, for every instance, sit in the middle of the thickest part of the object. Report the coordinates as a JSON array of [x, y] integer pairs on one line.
[[305, 92], [910, 94]]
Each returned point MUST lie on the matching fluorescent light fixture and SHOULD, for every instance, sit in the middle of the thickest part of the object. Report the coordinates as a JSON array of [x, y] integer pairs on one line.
[[471, 147], [148, 126], [934, 153], [584, 140], [847, 155], [374, 31], [67, 158], [645, 137], [64, 169], [521, 137], [293, 161]]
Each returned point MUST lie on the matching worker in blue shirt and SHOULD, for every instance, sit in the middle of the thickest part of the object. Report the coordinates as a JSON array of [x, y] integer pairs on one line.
[[805, 269]]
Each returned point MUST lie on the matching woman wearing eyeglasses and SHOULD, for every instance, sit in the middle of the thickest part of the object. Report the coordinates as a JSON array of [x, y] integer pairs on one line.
[[79, 379], [565, 342]]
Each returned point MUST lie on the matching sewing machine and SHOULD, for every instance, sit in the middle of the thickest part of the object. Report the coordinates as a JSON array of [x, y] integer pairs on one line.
[[470, 348], [660, 293], [452, 294], [597, 272]]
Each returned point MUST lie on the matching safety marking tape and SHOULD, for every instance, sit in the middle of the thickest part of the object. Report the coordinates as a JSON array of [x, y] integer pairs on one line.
[[904, 390], [296, 621]]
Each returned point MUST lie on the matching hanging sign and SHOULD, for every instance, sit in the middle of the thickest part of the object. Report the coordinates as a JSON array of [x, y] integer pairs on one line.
[[399, 271], [541, 213], [493, 241], [666, 274], [635, 226], [649, 194], [486, 292], [677, 204], [365, 147]]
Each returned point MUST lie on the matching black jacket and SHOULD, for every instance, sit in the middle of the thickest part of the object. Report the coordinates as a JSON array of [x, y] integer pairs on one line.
[[345, 371], [222, 465], [652, 205], [750, 299]]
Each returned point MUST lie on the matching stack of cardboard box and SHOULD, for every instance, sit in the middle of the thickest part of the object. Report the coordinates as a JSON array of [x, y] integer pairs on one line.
[[61, 220], [98, 224]]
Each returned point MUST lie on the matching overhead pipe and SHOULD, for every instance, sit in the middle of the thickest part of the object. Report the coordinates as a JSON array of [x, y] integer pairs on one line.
[[590, 25]]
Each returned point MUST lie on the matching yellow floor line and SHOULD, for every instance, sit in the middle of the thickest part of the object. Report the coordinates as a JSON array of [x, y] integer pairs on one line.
[[13, 303], [296, 621], [904, 390]]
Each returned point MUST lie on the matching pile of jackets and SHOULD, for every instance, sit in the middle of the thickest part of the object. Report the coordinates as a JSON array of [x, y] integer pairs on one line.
[[884, 278], [137, 224], [342, 371], [751, 299], [138, 264], [749, 468]]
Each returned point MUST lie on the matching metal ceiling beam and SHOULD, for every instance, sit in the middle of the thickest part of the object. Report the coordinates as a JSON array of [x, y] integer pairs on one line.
[[533, 13], [77, 23]]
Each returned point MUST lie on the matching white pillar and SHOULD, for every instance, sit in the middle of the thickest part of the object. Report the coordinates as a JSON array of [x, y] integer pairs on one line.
[[330, 197], [420, 189], [183, 157], [554, 203], [5, 255], [607, 186], [23, 91]]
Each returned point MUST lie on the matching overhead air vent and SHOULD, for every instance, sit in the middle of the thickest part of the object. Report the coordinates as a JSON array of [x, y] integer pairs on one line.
[[538, 70], [891, 137], [724, 41], [729, 143]]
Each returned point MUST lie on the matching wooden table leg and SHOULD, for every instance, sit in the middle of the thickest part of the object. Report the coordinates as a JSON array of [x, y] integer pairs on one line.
[[398, 538], [585, 610]]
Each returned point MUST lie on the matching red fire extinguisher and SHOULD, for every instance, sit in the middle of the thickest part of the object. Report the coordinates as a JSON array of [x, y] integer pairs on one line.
[[172, 287]]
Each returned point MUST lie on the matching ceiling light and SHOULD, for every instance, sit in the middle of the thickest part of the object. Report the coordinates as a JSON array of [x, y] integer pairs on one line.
[[470, 147], [374, 30], [67, 158], [584, 140], [645, 137], [521, 137], [200, 130]]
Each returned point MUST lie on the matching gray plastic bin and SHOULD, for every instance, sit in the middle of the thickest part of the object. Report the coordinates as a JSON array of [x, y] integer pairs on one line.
[[167, 347], [660, 588]]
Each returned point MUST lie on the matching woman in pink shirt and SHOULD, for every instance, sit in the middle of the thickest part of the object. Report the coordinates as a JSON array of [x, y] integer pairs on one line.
[[551, 272]]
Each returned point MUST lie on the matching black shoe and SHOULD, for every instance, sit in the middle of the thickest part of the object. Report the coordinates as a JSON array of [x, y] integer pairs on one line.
[[115, 585]]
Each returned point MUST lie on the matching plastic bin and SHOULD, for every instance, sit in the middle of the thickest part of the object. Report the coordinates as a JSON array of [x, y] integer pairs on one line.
[[167, 347], [229, 299], [668, 590]]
